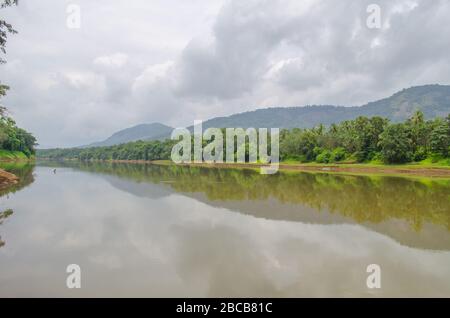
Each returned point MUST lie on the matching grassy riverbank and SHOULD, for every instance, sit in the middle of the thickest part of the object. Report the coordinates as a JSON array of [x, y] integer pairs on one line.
[[8, 155]]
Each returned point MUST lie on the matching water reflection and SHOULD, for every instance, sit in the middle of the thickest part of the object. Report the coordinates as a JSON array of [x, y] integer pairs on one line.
[[3, 215], [23, 170], [25, 173], [414, 212]]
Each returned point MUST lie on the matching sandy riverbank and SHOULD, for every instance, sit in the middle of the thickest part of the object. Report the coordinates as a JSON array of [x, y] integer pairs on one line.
[[7, 179]]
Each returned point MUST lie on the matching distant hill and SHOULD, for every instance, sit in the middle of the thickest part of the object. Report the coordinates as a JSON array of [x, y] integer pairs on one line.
[[433, 100], [152, 131]]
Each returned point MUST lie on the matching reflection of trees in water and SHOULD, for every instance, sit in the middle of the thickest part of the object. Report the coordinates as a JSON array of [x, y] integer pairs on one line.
[[3, 216], [364, 199], [22, 170], [25, 173]]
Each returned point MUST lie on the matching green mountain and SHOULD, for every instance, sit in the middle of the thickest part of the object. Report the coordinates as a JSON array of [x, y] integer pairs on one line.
[[433, 100], [152, 131]]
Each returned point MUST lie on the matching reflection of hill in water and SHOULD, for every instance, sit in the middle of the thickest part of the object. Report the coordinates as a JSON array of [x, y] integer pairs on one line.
[[430, 236], [414, 213], [143, 190]]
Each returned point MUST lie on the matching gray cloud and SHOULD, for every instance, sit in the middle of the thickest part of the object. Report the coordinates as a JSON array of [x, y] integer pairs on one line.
[[174, 62]]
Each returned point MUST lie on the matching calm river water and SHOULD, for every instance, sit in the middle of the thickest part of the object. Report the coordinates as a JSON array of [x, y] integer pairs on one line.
[[156, 231]]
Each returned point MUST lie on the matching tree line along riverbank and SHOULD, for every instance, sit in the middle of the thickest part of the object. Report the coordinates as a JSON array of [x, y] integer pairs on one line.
[[373, 142]]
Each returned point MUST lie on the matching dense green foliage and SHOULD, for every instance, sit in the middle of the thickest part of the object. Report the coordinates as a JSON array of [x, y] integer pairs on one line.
[[13, 138], [369, 139], [138, 150], [360, 140]]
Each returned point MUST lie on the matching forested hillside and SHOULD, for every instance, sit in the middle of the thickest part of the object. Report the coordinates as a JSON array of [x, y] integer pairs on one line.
[[432, 100], [152, 131], [360, 140]]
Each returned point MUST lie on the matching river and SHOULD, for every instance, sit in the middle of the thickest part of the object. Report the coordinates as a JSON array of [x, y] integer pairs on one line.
[[141, 230]]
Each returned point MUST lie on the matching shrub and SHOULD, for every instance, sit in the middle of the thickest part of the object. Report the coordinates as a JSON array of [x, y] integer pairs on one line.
[[324, 157], [420, 154], [338, 154]]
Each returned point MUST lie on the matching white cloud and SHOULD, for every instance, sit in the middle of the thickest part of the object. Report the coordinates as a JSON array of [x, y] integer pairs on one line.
[[84, 80], [152, 75]]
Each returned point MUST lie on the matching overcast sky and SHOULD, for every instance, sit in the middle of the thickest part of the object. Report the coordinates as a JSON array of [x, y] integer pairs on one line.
[[172, 61]]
